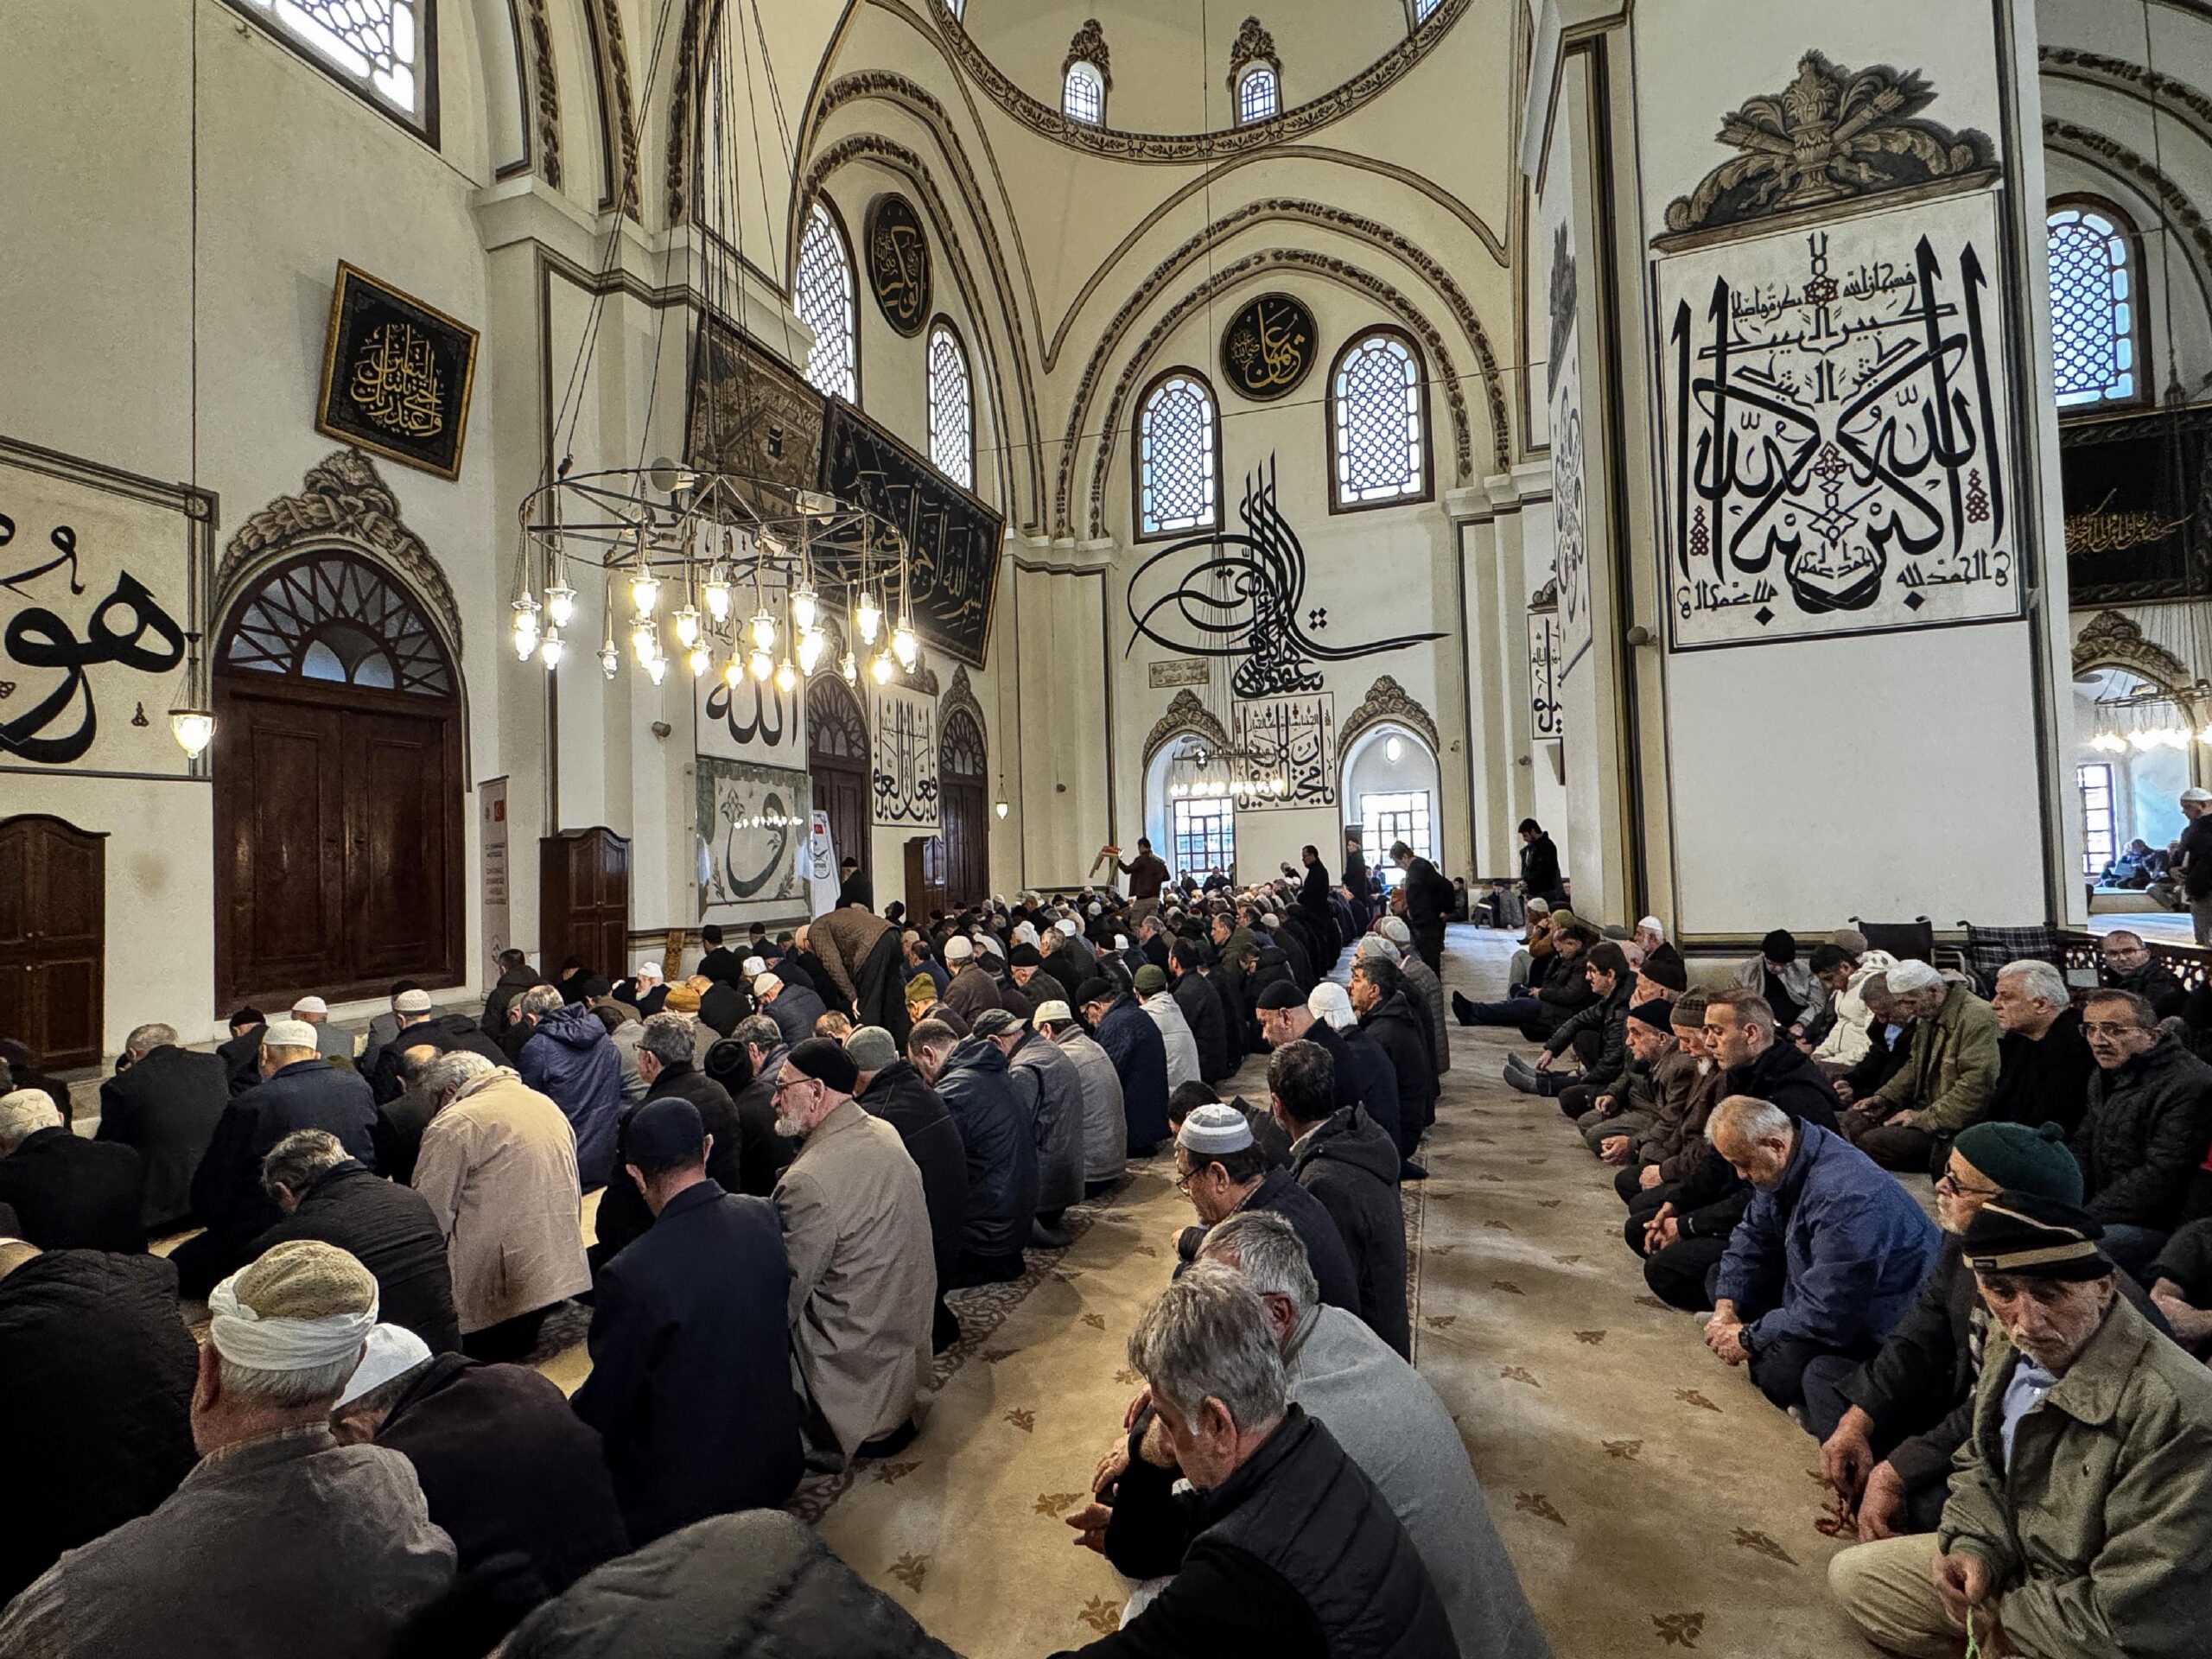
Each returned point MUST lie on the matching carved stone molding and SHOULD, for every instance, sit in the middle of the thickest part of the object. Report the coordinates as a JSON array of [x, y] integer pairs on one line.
[[544, 93], [616, 108], [961, 695], [2134, 79], [1387, 700], [1185, 714], [2112, 641], [1089, 46], [1832, 135], [1545, 598], [920, 677], [2145, 175], [1163, 148], [345, 503], [1253, 44], [675, 178]]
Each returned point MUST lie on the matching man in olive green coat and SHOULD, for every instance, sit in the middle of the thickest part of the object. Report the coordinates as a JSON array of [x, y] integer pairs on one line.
[[2080, 1519], [1948, 1073]]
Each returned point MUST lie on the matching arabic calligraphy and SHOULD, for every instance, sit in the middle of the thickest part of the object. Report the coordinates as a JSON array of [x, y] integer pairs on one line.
[[1543, 684], [395, 382], [905, 784], [1837, 430], [1293, 737], [898, 263], [1244, 597], [752, 824], [1269, 347], [2107, 532], [754, 721]]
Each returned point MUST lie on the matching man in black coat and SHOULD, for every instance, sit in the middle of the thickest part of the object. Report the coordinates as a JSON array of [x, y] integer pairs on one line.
[[720, 964], [506, 1467], [241, 1055], [1344, 1159], [2044, 1065], [515, 976], [690, 1385], [1428, 901], [1222, 1170], [422, 1026], [68, 1193], [1538, 863], [999, 1148], [96, 1378], [792, 1004], [890, 1088], [163, 1102], [2145, 1127], [1378, 997], [1202, 1012], [329, 1196]]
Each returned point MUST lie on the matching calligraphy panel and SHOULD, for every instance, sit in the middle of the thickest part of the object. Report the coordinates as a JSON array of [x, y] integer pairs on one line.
[[1835, 428], [103, 575], [2138, 506], [750, 413], [1543, 676], [752, 830], [1167, 672], [1269, 347], [1570, 520], [752, 720], [954, 537], [898, 263], [904, 733], [1294, 736], [395, 375]]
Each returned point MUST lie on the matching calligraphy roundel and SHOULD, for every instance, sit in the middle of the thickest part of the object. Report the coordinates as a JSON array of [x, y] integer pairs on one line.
[[898, 263], [1269, 347]]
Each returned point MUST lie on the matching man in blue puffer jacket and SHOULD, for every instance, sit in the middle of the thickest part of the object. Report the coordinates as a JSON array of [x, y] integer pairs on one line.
[[569, 1058]]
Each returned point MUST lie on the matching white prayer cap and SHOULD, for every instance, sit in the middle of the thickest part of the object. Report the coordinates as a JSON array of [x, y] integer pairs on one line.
[[1094, 909], [1024, 934], [1050, 1012], [1331, 1001], [302, 1304], [1655, 924], [648, 969], [1375, 945], [1121, 941], [310, 1005], [763, 983], [411, 1003], [392, 1348], [1912, 976], [2197, 794], [990, 942], [1542, 907], [1066, 924], [1213, 1129], [1271, 921], [289, 1034], [753, 967], [1394, 929], [958, 948]]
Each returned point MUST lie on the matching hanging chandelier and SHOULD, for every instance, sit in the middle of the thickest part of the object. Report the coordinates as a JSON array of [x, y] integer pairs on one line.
[[1226, 772], [2151, 719]]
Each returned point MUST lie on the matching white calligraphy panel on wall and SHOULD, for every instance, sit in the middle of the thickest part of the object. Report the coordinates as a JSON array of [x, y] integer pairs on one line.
[[904, 737], [752, 720], [1836, 432], [102, 577], [751, 828], [1292, 738], [1570, 521], [1543, 676]]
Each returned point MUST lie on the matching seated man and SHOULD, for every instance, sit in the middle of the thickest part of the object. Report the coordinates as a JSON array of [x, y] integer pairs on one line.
[[1947, 1077], [1592, 1034], [2044, 1065], [68, 1193], [793, 1006], [2181, 1285], [2079, 1517], [1787, 984], [281, 1542], [1888, 1041], [691, 1383], [163, 1102], [969, 1073], [1378, 997], [1620, 1115], [2143, 1131], [1284, 1546], [506, 1466], [96, 1371], [2124, 964], [1132, 1042], [1105, 1130], [1423, 987], [1324, 1017], [1686, 1086], [1559, 991], [1344, 1158], [1180, 1043], [1843, 975], [857, 1230], [1826, 1258], [890, 1087], [1049, 1090], [1222, 1171]]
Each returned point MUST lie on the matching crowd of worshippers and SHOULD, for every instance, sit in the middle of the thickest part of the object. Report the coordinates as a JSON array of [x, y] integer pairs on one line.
[[798, 1150], [2010, 1400]]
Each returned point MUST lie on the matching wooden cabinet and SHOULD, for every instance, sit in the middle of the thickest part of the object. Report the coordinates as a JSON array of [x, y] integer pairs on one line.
[[53, 939], [583, 900]]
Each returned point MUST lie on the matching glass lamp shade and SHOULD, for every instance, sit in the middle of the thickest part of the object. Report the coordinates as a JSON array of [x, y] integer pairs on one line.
[[686, 627], [761, 663], [560, 604], [806, 605], [552, 650], [882, 667], [850, 668], [193, 730], [610, 660], [734, 672], [699, 661], [1002, 809], [716, 589], [645, 592], [812, 643], [657, 666], [868, 615], [787, 676], [903, 645], [762, 627]]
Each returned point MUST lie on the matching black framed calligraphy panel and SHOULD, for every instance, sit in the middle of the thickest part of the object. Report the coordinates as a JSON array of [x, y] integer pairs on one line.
[[1269, 347], [898, 263], [2138, 506], [749, 413], [395, 375], [103, 576], [954, 537], [1837, 432]]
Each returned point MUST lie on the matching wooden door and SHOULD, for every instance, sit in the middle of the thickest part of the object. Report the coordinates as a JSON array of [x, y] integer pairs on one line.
[[396, 789], [964, 809], [838, 758], [583, 900], [53, 939], [925, 877], [280, 846]]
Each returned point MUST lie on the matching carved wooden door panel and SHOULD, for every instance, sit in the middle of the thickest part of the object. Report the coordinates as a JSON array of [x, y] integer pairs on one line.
[[53, 939]]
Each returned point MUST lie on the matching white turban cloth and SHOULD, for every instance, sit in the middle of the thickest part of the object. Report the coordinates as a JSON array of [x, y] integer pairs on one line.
[[1908, 976], [244, 1337]]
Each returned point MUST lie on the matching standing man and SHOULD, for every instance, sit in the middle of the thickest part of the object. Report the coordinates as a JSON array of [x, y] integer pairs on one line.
[[1538, 863], [864, 958], [691, 1383], [1356, 882], [1147, 873], [2193, 859], [1428, 901]]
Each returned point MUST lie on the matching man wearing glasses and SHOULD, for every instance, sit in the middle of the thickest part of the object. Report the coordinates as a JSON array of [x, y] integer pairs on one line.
[[2144, 1133], [2127, 964]]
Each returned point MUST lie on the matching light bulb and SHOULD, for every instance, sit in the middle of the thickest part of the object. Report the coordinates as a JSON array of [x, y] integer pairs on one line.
[[882, 667], [806, 605], [644, 642], [786, 676], [716, 589], [761, 663], [610, 660], [686, 627], [869, 615], [701, 660], [1001, 809], [526, 609], [850, 668], [645, 592], [811, 644], [193, 730], [734, 672], [763, 629], [552, 650], [657, 665], [560, 604], [904, 645]]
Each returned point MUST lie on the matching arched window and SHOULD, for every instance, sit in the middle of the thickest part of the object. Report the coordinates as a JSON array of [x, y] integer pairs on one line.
[[1259, 94], [381, 48], [1082, 94], [1177, 456], [2094, 301], [1423, 10], [1376, 445], [334, 618], [952, 424], [824, 293]]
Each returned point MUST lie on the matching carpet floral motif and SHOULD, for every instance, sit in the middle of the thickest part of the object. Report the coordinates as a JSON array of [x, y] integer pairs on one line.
[[1102, 1614], [1679, 1629]]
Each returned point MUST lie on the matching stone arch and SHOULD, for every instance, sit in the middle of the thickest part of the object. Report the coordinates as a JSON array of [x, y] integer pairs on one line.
[[1388, 701], [2114, 640], [1186, 716], [958, 695]]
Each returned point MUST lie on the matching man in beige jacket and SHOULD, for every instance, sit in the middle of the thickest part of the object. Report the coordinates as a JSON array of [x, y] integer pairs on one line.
[[498, 1168], [856, 1228]]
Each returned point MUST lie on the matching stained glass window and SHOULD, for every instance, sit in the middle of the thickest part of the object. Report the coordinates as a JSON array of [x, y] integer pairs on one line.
[[1175, 457], [2093, 303], [1082, 94], [952, 445], [825, 305], [334, 618], [1258, 95], [1375, 422], [374, 46]]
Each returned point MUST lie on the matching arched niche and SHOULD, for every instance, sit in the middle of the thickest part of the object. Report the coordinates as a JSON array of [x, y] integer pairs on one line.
[[1392, 789]]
